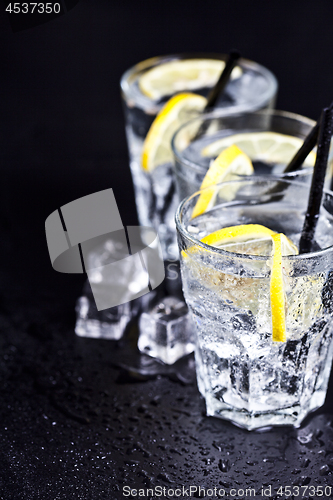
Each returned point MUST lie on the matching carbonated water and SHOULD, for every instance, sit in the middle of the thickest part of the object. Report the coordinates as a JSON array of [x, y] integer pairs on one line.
[[243, 375]]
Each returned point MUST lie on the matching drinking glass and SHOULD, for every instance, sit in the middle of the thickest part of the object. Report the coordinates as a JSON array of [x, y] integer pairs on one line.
[[270, 138], [245, 376], [155, 196]]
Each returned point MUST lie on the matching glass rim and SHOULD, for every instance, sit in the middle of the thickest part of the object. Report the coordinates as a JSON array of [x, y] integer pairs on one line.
[[219, 251], [247, 63], [218, 113]]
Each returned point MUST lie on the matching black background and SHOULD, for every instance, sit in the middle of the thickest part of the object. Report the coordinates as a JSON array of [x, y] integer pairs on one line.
[[62, 137], [61, 118], [62, 133]]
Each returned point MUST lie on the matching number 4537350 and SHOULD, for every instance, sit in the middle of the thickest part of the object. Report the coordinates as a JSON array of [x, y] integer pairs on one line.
[[31, 7]]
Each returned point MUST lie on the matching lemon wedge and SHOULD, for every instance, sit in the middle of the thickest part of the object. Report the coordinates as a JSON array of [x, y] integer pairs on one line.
[[227, 166], [157, 145], [263, 146], [182, 75], [261, 241]]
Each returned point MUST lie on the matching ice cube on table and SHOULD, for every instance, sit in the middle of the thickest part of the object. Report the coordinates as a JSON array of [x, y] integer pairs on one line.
[[98, 314], [107, 324], [115, 275], [166, 332]]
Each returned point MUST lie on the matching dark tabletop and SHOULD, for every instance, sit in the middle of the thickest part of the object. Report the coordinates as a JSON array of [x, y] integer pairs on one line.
[[75, 423]]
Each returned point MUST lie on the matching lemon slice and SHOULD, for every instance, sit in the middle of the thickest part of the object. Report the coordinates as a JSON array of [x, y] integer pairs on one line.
[[263, 146], [254, 235], [277, 292], [238, 234], [157, 145], [178, 76], [226, 167]]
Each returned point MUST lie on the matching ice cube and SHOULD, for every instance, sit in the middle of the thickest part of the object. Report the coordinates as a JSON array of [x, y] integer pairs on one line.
[[166, 332], [107, 324], [115, 276], [105, 282]]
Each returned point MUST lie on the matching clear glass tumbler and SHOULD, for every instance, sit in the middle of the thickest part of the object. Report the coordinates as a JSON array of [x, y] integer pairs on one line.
[[270, 138], [156, 200], [245, 376]]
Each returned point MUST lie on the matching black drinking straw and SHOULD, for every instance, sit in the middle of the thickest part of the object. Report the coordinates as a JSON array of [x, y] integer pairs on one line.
[[318, 178], [298, 159], [309, 143], [221, 83], [218, 88]]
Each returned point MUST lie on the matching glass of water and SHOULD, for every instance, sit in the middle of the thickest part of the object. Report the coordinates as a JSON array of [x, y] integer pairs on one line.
[[245, 376], [253, 87], [270, 138]]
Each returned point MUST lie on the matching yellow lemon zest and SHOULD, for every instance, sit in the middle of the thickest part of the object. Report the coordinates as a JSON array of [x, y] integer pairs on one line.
[[157, 145], [253, 236], [231, 163]]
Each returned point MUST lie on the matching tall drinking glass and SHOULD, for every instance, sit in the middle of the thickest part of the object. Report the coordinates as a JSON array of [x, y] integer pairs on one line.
[[253, 87], [244, 375]]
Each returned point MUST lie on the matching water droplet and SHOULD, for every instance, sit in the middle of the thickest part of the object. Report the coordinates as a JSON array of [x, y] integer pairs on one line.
[[305, 438], [156, 400], [305, 462], [224, 465], [302, 481], [148, 479], [165, 477], [324, 470], [142, 408], [251, 462]]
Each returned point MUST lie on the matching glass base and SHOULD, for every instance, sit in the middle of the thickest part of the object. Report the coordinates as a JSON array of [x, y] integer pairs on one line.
[[251, 420]]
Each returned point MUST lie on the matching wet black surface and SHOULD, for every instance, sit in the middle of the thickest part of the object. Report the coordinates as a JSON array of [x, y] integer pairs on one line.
[[75, 422]]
